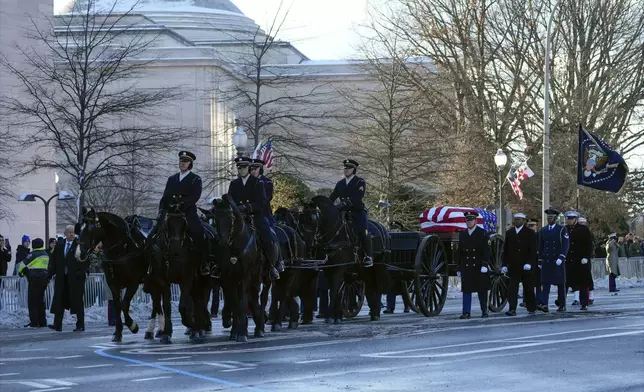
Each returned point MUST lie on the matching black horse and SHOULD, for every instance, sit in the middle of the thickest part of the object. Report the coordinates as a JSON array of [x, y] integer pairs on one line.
[[124, 264], [176, 260], [329, 234], [242, 269]]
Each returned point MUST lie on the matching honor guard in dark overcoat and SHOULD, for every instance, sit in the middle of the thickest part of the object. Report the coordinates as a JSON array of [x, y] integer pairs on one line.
[[474, 262], [532, 224], [519, 261], [249, 193], [579, 255], [257, 170], [553, 248], [187, 186], [350, 191]]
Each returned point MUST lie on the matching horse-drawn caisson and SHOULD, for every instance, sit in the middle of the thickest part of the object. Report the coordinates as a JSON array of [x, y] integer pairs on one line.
[[238, 242]]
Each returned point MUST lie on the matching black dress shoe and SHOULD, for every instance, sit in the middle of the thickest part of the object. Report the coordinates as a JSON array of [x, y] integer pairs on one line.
[[79, 329], [584, 308], [388, 311], [543, 308], [511, 313], [30, 326], [485, 315], [575, 302], [561, 309], [465, 316], [55, 328]]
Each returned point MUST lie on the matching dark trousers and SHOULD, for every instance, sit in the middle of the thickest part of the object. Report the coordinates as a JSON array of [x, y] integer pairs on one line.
[[612, 285], [583, 295], [537, 284], [467, 301], [527, 279], [214, 307], [80, 313], [561, 294], [360, 224], [36, 297]]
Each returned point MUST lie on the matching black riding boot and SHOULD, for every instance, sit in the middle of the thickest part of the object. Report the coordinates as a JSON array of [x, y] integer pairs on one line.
[[271, 259], [366, 247]]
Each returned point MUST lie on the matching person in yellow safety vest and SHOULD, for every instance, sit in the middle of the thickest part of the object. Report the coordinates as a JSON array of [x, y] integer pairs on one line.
[[34, 268]]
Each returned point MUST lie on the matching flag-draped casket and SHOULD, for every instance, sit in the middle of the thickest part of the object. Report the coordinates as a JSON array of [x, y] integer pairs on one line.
[[445, 219]]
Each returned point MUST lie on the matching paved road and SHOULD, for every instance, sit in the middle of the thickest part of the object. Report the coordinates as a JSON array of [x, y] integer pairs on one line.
[[598, 350]]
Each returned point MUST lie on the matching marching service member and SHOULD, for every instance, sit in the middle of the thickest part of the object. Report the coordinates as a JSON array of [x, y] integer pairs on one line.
[[474, 261], [520, 259], [579, 253], [553, 247], [612, 263]]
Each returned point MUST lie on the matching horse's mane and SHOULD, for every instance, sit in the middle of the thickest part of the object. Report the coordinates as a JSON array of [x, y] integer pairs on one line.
[[113, 220], [323, 201]]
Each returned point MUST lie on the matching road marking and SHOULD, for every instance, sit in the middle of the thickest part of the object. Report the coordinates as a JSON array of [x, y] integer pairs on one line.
[[26, 383], [50, 389], [313, 361], [69, 357], [213, 380], [93, 366], [238, 369], [8, 374], [58, 382], [23, 359], [173, 358], [31, 349], [152, 378], [400, 354], [223, 365]]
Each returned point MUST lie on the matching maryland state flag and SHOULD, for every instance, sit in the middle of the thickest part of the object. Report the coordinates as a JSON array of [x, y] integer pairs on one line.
[[598, 165]]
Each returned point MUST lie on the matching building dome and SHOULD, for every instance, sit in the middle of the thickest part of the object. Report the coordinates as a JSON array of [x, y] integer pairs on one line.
[[199, 6]]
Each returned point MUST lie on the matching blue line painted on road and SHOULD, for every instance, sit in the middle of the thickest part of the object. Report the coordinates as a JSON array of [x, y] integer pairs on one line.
[[214, 380]]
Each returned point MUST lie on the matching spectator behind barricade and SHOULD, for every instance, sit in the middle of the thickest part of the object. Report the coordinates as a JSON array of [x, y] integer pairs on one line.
[[51, 244], [5, 256], [634, 249], [621, 249], [96, 258], [22, 251]]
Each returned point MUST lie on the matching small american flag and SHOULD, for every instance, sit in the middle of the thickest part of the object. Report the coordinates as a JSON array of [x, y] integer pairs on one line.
[[445, 219], [516, 176], [265, 153]]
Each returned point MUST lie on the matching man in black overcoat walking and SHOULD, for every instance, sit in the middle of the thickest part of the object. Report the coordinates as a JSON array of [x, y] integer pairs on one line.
[[69, 288], [474, 262], [520, 261], [579, 255]]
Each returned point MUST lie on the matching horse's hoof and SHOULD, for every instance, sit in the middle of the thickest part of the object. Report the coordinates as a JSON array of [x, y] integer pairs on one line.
[[328, 320], [148, 335], [293, 325], [117, 339], [336, 321], [158, 334], [276, 327], [259, 334], [375, 318], [165, 339], [242, 339], [226, 322], [135, 330], [307, 322], [188, 331]]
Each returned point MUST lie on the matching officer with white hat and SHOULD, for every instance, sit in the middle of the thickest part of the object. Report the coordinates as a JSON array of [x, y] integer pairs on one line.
[[578, 275]]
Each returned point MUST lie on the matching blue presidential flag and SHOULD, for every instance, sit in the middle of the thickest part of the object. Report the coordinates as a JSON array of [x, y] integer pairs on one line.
[[598, 165]]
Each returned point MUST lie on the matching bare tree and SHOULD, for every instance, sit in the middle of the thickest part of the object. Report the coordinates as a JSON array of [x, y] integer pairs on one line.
[[275, 101], [76, 94], [6, 151]]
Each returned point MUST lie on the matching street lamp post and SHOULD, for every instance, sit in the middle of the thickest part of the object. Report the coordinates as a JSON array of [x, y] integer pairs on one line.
[[240, 139], [500, 160], [62, 195]]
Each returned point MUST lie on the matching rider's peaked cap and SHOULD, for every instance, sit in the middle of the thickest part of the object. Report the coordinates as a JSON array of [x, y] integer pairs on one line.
[[257, 162], [187, 154], [350, 163], [243, 161]]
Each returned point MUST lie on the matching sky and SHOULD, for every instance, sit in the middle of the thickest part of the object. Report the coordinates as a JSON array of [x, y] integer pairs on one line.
[[322, 30]]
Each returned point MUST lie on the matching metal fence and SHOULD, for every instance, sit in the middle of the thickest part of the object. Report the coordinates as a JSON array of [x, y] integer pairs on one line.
[[13, 289]]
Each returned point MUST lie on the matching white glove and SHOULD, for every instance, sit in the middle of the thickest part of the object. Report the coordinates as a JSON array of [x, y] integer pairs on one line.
[[504, 269], [584, 261], [540, 266], [558, 262], [484, 270], [458, 273], [527, 267]]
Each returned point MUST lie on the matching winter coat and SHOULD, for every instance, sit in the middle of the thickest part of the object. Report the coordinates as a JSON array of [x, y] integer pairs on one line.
[[5, 258], [581, 247], [634, 250], [68, 296], [612, 257], [520, 249], [21, 254], [474, 253], [553, 245]]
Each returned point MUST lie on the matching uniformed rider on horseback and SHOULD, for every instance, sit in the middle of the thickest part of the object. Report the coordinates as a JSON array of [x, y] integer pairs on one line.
[[257, 170], [186, 186], [350, 191], [249, 195]]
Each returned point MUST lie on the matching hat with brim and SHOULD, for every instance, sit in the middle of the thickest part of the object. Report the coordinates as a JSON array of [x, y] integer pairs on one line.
[[572, 214], [350, 164], [469, 215], [187, 155], [243, 161], [257, 163], [612, 235], [582, 220], [520, 215], [552, 211]]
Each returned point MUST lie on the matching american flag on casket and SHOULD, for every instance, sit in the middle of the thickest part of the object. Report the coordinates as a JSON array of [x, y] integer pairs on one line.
[[445, 219]]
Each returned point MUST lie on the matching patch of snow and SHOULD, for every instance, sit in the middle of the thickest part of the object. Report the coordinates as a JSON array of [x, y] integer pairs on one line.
[[626, 283]]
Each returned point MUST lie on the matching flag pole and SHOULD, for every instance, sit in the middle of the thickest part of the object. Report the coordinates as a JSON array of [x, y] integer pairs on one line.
[[577, 199]]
